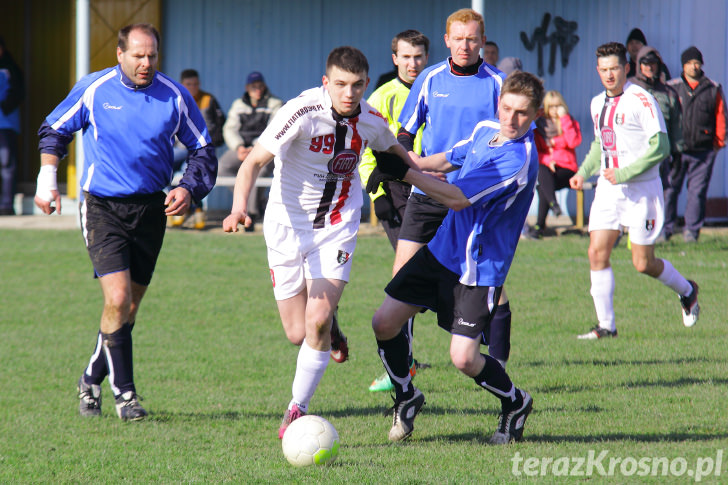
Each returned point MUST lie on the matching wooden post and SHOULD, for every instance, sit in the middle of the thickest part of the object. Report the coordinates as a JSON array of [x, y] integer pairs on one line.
[[579, 209], [372, 216]]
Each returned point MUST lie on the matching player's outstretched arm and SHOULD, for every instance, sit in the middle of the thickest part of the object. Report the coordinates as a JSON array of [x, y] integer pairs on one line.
[[46, 192], [436, 163], [248, 172], [448, 194]]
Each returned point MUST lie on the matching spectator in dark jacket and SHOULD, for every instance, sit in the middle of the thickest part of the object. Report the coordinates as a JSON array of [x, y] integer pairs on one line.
[[647, 76], [12, 91], [246, 120], [704, 132], [636, 41]]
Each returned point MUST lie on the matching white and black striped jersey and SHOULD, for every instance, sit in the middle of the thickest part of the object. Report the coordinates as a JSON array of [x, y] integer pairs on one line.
[[317, 152]]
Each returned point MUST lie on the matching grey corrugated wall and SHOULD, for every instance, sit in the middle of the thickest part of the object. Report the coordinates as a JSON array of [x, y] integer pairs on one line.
[[288, 40]]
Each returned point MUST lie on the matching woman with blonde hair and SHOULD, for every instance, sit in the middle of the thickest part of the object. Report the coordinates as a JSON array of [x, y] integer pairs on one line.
[[557, 135]]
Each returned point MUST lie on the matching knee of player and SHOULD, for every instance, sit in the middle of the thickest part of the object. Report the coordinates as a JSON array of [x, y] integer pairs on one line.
[[461, 360], [383, 325], [646, 266], [598, 257], [118, 300], [295, 336], [318, 326], [378, 323]]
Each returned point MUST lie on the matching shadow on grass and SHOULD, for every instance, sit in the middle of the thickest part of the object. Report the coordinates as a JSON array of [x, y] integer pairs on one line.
[[166, 416], [674, 383], [483, 437], [620, 437], [621, 362]]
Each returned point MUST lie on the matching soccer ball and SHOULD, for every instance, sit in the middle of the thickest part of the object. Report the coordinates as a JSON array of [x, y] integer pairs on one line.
[[310, 440]]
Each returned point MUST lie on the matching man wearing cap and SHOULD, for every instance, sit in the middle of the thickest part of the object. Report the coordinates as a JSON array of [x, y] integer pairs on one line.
[[247, 118], [647, 77], [635, 41], [704, 131]]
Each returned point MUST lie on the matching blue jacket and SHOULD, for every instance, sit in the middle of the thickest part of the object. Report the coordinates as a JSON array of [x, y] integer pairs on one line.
[[10, 97], [128, 134]]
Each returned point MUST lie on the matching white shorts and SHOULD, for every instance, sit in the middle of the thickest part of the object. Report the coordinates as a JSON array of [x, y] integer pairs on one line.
[[296, 255], [638, 206]]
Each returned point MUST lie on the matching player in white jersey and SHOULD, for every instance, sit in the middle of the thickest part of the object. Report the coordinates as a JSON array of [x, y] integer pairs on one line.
[[313, 211], [630, 142]]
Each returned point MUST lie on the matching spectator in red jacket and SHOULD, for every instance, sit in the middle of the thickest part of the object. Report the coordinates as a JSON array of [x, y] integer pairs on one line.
[[557, 135]]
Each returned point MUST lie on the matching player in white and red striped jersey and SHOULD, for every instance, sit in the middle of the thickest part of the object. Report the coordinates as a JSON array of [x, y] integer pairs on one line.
[[313, 211], [630, 142]]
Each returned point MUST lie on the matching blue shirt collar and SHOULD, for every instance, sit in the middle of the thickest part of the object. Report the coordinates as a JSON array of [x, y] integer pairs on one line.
[[129, 83]]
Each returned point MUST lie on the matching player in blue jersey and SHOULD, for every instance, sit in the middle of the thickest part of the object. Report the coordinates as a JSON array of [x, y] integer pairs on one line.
[[450, 98], [460, 273], [130, 115]]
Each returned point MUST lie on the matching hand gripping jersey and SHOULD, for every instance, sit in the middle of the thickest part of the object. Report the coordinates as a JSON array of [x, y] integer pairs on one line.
[[479, 242], [128, 134], [450, 105], [315, 179], [624, 124]]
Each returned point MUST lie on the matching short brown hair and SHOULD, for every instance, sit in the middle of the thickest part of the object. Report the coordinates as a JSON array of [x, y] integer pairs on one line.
[[348, 59], [189, 74], [526, 84], [148, 29], [465, 15], [413, 38], [613, 49]]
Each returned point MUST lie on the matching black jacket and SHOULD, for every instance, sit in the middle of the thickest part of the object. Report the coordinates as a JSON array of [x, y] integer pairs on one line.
[[698, 109]]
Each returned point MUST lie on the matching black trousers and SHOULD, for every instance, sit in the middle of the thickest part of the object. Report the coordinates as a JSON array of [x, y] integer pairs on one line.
[[548, 183]]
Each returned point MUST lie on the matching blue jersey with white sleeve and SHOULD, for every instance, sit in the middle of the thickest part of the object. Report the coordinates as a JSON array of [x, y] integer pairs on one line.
[[479, 242], [128, 134], [450, 105]]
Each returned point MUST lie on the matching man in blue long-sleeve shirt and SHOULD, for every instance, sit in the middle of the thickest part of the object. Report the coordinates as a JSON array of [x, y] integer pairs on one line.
[[130, 115]]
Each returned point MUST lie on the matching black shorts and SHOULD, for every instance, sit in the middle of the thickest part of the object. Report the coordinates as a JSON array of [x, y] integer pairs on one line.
[[124, 233], [398, 193], [461, 310], [422, 217]]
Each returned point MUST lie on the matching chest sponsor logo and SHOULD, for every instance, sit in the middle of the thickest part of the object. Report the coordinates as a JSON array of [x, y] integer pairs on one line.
[[438, 94], [111, 106], [609, 139], [344, 162]]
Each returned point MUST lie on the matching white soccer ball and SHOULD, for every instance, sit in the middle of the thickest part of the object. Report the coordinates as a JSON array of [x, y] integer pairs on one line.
[[310, 440]]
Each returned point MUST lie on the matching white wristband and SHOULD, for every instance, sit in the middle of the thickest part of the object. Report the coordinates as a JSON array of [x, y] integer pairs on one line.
[[47, 182]]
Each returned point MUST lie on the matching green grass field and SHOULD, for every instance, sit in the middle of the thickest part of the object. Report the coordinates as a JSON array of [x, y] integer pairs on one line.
[[215, 371]]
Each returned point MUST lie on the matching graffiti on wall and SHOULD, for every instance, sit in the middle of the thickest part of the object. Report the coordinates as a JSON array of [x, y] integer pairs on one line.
[[562, 37]]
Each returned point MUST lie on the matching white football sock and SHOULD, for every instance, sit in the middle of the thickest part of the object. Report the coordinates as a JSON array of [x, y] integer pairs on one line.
[[672, 278], [310, 368], [602, 291]]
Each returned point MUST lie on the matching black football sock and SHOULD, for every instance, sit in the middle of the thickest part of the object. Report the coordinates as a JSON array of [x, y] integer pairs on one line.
[[499, 339], [409, 330], [493, 378], [118, 350], [97, 369], [395, 357]]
